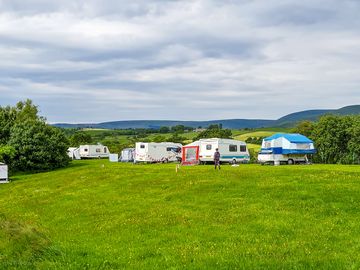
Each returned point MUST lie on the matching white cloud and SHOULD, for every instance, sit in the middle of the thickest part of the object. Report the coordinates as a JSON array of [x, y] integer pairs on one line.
[[200, 59]]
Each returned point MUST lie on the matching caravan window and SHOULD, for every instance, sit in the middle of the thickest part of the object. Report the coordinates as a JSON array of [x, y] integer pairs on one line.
[[104, 149], [85, 150], [242, 148], [208, 147], [142, 146], [98, 150], [232, 148], [173, 149]]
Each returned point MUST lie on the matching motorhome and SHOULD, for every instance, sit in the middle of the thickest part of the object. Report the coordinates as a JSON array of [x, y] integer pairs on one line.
[[232, 151], [94, 151], [286, 148], [3, 173], [152, 152]]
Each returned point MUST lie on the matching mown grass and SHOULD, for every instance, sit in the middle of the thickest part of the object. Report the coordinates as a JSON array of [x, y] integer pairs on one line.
[[101, 215]]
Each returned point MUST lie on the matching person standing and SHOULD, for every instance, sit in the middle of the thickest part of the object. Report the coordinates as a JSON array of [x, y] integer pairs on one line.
[[217, 158]]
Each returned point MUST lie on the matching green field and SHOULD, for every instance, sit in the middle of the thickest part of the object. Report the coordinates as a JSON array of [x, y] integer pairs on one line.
[[101, 215]]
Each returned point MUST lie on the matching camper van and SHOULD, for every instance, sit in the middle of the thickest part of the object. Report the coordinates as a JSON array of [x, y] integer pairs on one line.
[[157, 152], [232, 151], [3, 173], [286, 148], [94, 151]]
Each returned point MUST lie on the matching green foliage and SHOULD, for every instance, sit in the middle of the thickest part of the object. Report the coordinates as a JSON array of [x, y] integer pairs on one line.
[[164, 130], [159, 138], [336, 139], [305, 128], [80, 138], [176, 138], [254, 140], [100, 215], [7, 153], [214, 131], [38, 147], [9, 116]]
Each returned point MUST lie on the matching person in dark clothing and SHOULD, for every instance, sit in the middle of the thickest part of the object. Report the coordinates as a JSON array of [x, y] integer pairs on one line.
[[217, 158]]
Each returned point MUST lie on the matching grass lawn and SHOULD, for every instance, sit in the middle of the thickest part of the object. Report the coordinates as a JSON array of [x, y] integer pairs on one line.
[[100, 215]]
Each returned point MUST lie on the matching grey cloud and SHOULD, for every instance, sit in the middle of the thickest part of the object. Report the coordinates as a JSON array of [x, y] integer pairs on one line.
[[84, 61]]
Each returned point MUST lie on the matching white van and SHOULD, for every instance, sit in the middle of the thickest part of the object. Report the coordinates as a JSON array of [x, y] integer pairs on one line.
[[232, 151], [157, 152]]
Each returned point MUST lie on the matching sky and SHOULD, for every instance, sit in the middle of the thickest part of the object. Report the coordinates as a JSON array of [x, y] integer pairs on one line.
[[104, 60]]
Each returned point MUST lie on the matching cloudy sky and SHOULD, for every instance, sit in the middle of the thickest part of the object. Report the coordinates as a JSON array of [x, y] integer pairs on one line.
[[102, 60]]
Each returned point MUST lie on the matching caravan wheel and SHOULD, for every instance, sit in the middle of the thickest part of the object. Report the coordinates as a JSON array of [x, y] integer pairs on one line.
[[291, 162]]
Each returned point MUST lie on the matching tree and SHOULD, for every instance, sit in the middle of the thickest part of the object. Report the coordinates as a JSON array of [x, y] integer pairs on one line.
[[332, 136], [6, 153], [176, 138], [9, 116], [79, 138], [214, 131], [305, 128], [164, 129], [178, 128], [38, 146]]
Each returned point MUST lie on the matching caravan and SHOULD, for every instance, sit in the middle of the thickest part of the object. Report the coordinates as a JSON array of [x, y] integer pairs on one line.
[[286, 148], [232, 151], [157, 152], [93, 151]]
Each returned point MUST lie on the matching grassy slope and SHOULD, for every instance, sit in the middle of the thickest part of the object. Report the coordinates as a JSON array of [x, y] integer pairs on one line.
[[98, 215]]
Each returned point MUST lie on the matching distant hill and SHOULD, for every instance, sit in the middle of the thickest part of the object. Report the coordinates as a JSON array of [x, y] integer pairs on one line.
[[287, 120]]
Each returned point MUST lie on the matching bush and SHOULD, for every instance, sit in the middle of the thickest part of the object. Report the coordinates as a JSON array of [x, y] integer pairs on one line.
[[38, 147]]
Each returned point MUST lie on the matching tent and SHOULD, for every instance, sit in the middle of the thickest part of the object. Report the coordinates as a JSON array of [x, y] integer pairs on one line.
[[4, 173], [127, 155], [74, 153]]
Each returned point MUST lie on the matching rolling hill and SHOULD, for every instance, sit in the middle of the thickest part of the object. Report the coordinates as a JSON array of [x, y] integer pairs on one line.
[[287, 120]]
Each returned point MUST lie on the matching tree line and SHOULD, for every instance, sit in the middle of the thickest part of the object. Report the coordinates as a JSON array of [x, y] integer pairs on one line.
[[336, 138]]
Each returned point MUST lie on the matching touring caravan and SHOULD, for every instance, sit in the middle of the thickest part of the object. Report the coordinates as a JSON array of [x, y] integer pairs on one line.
[[94, 151], [157, 152], [74, 153], [3, 173], [232, 151], [127, 155], [286, 148]]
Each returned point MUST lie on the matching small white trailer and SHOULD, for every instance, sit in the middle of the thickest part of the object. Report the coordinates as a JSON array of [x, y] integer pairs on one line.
[[232, 151], [94, 151], [286, 148], [127, 155], [157, 152], [4, 177], [74, 153]]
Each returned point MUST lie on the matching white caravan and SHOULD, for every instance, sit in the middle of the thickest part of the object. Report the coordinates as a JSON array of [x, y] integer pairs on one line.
[[74, 153], [4, 173], [286, 148], [94, 151], [127, 155], [232, 151], [157, 152]]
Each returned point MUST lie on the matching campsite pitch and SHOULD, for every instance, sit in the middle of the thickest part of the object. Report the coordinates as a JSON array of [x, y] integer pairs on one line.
[[101, 215]]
